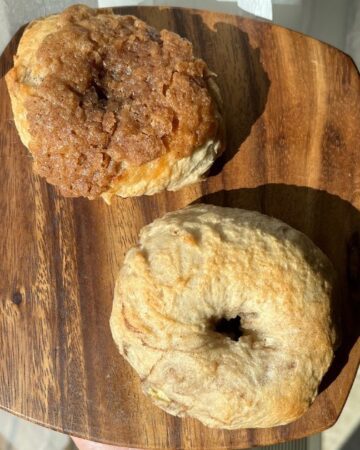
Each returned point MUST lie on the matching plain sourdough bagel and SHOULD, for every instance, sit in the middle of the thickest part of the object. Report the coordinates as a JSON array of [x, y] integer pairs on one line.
[[107, 105], [175, 318]]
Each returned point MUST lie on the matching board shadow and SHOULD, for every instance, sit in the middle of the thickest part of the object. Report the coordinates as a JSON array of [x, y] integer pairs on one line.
[[333, 225], [352, 442]]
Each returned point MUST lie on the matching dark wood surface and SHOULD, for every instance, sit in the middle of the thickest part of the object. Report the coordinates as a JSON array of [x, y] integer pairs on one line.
[[292, 110]]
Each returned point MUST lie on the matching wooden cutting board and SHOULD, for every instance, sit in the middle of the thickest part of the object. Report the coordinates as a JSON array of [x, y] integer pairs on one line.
[[292, 110]]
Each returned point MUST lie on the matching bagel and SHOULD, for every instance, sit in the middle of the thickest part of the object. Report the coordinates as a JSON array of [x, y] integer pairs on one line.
[[225, 314], [107, 105]]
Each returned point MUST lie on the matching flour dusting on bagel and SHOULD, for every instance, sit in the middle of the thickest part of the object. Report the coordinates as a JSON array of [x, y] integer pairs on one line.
[[196, 270]]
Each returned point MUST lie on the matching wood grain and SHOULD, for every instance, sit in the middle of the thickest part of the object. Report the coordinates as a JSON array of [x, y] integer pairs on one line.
[[292, 115]]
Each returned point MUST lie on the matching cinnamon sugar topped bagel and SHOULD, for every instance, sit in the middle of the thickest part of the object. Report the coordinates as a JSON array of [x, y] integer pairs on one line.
[[198, 274], [108, 105]]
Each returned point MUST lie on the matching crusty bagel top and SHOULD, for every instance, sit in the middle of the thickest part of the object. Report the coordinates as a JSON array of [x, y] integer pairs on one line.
[[94, 92]]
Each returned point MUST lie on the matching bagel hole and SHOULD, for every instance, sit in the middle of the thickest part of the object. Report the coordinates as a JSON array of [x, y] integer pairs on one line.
[[100, 92], [229, 327]]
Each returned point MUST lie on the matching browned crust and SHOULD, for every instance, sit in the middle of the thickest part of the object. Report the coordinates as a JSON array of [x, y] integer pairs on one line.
[[102, 93]]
